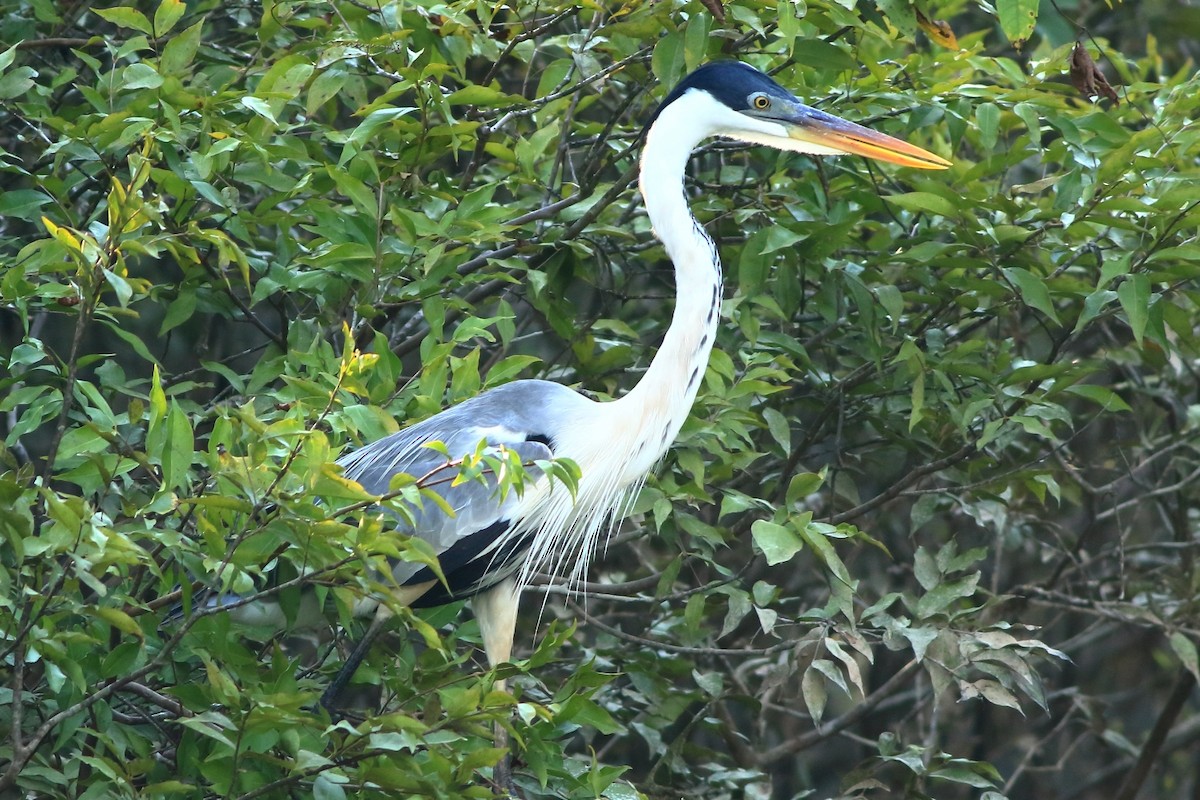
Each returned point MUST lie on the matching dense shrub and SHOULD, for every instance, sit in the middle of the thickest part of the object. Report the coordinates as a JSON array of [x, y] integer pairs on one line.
[[930, 531]]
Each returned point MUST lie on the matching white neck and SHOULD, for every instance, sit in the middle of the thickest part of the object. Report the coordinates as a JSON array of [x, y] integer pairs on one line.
[[660, 402], [618, 443]]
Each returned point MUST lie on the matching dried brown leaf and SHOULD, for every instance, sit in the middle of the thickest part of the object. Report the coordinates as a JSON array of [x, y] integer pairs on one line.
[[991, 691], [939, 31], [813, 689], [1087, 77], [715, 8], [853, 672]]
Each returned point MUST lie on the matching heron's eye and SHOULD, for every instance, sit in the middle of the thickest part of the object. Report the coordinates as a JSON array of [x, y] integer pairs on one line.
[[761, 101]]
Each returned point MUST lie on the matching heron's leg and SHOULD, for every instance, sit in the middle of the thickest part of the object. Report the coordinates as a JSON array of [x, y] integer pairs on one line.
[[496, 611], [403, 595]]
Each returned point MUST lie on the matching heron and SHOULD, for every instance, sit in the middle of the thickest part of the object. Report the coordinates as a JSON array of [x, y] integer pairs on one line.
[[492, 544]]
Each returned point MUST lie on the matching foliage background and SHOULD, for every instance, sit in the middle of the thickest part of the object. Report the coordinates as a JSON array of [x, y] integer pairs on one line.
[[930, 531]]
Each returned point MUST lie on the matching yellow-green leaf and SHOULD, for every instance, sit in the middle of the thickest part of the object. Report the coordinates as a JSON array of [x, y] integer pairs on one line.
[[119, 620], [127, 18], [169, 12]]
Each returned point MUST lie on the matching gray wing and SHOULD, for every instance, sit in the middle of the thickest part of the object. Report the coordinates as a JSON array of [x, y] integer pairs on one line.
[[523, 416]]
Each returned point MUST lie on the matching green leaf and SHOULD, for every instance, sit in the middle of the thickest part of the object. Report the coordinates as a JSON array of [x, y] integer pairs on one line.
[[119, 285], [941, 596], [476, 759], [508, 369], [325, 787], [178, 312], [739, 606], [366, 129], [926, 202], [131, 338], [695, 40], [892, 301], [780, 428], [778, 543], [554, 76], [22, 203], [581, 710], [1101, 395], [1032, 289], [119, 620], [1183, 252], [164, 788], [181, 50], [1093, 304], [323, 87], [965, 773], [925, 569], [1134, 294], [1113, 268], [1185, 649], [260, 107], [477, 95], [919, 639], [789, 14], [803, 484], [900, 14], [16, 82], [822, 55], [755, 264], [140, 76], [916, 401], [177, 449], [831, 671], [211, 724], [1017, 19], [7, 57], [158, 401], [815, 535], [667, 61], [987, 117]]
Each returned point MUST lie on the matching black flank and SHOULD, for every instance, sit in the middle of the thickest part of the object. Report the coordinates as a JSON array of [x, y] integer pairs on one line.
[[466, 571]]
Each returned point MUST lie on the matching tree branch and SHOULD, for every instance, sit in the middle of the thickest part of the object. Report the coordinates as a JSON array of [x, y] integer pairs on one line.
[[1158, 735]]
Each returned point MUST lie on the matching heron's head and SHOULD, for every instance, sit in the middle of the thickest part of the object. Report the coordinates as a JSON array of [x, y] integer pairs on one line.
[[735, 100]]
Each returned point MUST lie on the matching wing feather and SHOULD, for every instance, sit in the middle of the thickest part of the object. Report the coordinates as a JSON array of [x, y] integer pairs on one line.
[[475, 545]]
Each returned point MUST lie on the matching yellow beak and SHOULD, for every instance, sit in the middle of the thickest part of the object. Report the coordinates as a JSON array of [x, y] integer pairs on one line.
[[832, 133]]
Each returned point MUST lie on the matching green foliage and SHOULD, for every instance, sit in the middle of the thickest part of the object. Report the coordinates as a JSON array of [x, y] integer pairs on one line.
[[948, 440]]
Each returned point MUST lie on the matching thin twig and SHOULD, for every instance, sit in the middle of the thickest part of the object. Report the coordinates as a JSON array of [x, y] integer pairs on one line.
[[795, 745]]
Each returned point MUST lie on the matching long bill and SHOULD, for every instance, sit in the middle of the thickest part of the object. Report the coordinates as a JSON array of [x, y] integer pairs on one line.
[[806, 124]]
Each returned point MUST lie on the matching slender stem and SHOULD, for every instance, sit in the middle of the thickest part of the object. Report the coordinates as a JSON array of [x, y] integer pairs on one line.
[[82, 323]]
